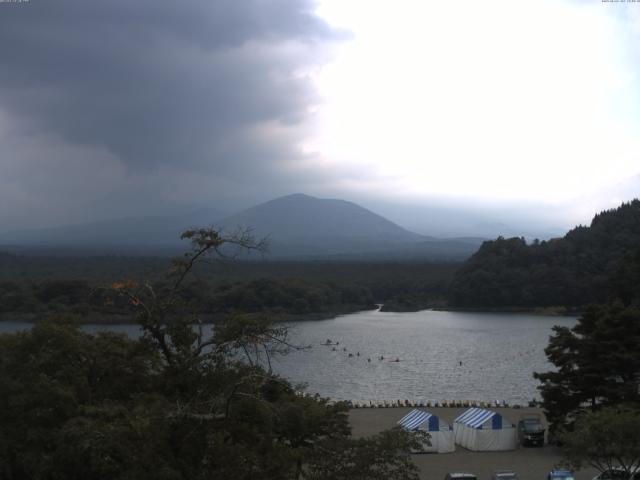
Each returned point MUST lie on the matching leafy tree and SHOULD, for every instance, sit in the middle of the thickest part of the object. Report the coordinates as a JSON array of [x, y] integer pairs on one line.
[[597, 363], [54, 374], [179, 403], [380, 457], [607, 439]]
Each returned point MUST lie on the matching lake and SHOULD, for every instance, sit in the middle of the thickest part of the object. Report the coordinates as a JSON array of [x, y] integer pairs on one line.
[[442, 355]]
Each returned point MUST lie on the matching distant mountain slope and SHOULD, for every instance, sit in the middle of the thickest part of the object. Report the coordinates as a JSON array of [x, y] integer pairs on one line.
[[570, 271], [302, 217], [303, 226], [138, 232], [298, 226]]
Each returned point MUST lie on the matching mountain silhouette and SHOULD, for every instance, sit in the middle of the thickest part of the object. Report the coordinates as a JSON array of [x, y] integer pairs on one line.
[[302, 225], [297, 226]]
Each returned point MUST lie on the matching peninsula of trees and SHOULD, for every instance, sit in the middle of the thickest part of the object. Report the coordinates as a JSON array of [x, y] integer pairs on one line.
[[572, 271]]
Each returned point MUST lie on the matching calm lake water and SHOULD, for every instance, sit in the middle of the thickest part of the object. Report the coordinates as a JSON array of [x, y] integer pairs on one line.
[[443, 355]]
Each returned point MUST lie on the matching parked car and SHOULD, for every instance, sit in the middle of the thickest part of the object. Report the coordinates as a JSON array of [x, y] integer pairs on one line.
[[531, 431], [460, 476], [560, 475], [504, 475]]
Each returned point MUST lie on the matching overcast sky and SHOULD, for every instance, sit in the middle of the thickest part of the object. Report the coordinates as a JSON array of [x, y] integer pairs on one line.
[[127, 108]]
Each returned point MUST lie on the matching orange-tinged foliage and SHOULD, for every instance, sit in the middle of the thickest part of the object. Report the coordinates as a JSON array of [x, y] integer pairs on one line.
[[124, 285]]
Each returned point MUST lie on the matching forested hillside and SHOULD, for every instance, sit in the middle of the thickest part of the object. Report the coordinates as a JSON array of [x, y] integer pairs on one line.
[[572, 271], [274, 296], [597, 361], [36, 286]]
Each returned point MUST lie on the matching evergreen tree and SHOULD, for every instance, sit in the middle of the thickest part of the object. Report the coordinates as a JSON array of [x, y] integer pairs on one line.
[[597, 363], [572, 271]]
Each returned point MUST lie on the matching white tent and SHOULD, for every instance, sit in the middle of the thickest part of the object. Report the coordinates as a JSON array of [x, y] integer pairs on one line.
[[484, 430], [441, 433]]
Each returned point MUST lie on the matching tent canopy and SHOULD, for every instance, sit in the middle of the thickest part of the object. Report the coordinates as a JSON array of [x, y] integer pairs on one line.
[[420, 419], [478, 417], [484, 430], [440, 433]]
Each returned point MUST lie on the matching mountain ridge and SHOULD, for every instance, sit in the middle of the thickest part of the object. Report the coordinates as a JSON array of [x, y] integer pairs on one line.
[[126, 231], [301, 215], [297, 225]]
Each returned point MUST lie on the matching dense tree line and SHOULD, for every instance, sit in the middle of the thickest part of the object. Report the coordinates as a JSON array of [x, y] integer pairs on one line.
[[409, 295], [107, 269], [572, 271], [598, 360], [283, 296], [315, 289], [176, 403]]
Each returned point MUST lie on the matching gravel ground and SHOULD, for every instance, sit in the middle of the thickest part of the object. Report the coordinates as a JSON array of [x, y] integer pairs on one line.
[[531, 463]]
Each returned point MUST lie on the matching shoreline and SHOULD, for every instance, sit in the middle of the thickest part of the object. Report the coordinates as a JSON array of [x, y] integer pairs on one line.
[[94, 318], [210, 319], [556, 311]]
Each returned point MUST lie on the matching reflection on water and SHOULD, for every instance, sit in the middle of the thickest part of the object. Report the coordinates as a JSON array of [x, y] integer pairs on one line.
[[443, 355]]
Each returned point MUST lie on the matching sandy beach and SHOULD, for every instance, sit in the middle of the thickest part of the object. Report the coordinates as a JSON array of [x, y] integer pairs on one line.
[[531, 463]]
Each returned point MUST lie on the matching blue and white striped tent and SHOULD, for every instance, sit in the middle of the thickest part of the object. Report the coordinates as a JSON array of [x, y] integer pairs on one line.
[[484, 430], [441, 434]]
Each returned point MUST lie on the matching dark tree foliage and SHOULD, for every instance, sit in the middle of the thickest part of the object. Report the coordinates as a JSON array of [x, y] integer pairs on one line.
[[625, 283], [400, 285], [56, 381], [605, 440], [67, 292], [379, 458], [572, 271], [177, 403], [281, 296], [286, 296], [598, 360]]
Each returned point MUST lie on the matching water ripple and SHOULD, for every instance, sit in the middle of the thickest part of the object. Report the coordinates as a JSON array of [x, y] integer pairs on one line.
[[443, 355]]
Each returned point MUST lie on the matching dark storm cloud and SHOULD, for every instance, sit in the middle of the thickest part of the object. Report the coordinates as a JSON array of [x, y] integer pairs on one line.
[[161, 83]]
